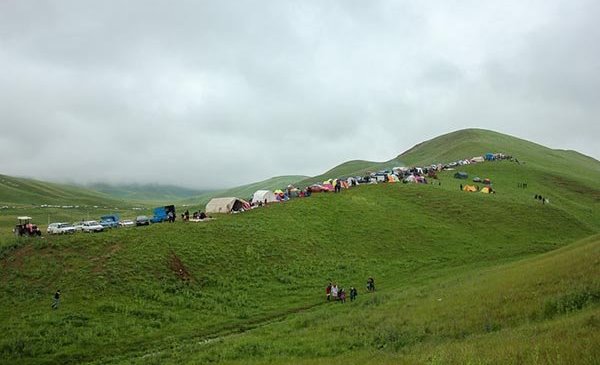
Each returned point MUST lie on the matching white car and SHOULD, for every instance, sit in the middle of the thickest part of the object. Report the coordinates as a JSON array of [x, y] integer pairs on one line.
[[89, 226], [60, 228], [127, 223]]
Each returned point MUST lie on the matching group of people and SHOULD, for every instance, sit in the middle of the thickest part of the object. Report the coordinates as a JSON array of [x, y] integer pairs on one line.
[[196, 215], [333, 293]]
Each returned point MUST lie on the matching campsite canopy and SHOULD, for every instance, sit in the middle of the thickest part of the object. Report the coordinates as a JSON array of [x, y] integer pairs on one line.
[[409, 179], [263, 196], [470, 188], [226, 205]]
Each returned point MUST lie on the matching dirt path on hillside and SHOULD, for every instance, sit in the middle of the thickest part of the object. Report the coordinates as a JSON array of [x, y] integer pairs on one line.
[[224, 334]]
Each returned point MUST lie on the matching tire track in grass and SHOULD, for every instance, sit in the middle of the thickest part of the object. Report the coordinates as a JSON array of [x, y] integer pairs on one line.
[[218, 336]]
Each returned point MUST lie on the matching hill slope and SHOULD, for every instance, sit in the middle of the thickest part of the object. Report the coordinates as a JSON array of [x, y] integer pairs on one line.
[[22, 191], [152, 193], [458, 274], [538, 310], [468, 143], [139, 289]]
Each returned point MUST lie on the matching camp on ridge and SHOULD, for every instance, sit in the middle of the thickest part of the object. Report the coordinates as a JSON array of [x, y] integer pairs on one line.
[[413, 175]]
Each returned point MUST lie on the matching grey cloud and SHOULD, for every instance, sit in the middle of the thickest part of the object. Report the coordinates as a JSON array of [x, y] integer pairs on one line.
[[211, 94]]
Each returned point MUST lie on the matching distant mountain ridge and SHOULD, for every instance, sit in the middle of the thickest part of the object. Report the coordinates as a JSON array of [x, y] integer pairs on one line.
[[23, 191], [146, 192]]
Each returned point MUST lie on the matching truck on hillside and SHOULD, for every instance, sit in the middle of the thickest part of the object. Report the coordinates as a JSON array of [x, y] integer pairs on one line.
[[161, 214]]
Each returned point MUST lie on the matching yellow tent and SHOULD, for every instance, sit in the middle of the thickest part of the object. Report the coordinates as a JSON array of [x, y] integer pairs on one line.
[[470, 188], [486, 190]]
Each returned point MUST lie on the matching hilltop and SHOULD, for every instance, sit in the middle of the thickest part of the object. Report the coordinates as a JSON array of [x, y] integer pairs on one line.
[[461, 277], [467, 143]]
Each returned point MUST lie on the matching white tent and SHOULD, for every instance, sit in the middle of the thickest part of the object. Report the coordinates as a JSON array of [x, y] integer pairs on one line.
[[410, 179], [478, 159], [226, 205], [264, 195], [351, 181]]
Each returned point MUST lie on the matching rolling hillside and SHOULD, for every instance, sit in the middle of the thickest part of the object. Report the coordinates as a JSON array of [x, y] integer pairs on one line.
[[151, 193], [461, 277], [468, 143], [22, 191]]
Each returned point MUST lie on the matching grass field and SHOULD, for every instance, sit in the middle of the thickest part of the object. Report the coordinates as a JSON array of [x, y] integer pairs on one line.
[[462, 278]]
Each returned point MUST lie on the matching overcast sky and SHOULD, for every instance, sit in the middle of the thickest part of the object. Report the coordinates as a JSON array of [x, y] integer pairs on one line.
[[212, 94]]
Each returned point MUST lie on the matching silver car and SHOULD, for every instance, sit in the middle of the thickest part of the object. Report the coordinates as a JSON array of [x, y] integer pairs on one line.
[[60, 228]]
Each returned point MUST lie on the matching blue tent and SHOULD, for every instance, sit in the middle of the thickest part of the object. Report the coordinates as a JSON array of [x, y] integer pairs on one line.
[[489, 157], [461, 175]]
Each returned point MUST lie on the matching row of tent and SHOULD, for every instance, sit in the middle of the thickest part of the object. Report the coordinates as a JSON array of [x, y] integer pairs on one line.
[[398, 174], [232, 204]]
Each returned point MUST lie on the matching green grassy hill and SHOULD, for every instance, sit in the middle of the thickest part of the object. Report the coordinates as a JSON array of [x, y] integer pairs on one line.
[[462, 278], [151, 193], [541, 310], [28, 192], [468, 143]]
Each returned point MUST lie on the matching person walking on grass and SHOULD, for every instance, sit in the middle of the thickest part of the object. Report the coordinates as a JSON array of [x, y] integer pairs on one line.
[[342, 295], [334, 292], [370, 284], [56, 299], [328, 292], [353, 294]]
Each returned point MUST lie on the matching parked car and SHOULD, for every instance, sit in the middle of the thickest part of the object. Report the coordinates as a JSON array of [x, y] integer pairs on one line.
[[127, 223], [60, 228], [89, 226], [109, 221], [142, 220]]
